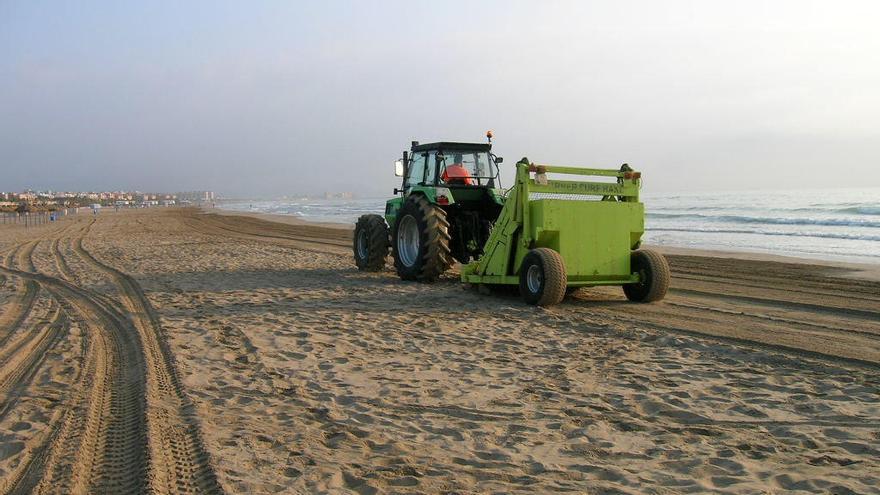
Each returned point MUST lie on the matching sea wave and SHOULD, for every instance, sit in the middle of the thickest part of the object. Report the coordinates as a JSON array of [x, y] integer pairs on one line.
[[821, 235], [845, 222], [862, 210], [834, 209]]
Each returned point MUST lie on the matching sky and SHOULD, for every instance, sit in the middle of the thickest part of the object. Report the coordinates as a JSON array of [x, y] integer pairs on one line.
[[263, 99]]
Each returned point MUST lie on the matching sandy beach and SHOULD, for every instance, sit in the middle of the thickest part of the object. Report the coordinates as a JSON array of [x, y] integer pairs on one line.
[[179, 351]]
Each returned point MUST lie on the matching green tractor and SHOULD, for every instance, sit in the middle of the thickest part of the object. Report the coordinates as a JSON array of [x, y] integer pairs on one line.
[[449, 200], [546, 236]]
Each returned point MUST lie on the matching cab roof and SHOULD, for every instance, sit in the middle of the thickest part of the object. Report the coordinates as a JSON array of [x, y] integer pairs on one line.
[[444, 146]]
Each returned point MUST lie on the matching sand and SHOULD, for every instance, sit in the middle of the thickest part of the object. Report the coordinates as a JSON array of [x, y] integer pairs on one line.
[[173, 351]]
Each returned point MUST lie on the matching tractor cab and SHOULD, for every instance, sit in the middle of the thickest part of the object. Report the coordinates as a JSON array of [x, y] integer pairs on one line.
[[447, 164], [462, 180], [449, 188]]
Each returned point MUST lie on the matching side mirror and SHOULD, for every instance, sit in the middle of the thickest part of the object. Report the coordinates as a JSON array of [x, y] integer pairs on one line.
[[499, 159], [398, 168]]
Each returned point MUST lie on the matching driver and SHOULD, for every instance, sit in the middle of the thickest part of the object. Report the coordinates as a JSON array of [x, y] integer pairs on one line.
[[457, 173]]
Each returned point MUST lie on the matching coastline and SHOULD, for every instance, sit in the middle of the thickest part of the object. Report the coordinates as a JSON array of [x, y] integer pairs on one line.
[[866, 271]]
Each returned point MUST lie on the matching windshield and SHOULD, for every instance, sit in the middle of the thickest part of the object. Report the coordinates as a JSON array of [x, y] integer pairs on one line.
[[468, 168]]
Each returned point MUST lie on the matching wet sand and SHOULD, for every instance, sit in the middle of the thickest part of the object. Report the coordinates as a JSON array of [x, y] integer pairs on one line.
[[173, 351]]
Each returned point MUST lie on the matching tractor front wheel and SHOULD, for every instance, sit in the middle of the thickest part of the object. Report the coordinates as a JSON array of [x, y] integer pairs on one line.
[[420, 242], [542, 277], [654, 276], [370, 243]]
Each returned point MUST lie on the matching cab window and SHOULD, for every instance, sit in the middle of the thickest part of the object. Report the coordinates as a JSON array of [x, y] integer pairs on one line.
[[468, 168], [431, 168], [416, 169]]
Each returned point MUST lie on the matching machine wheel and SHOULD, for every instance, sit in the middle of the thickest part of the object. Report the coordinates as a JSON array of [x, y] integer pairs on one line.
[[542, 277], [420, 243], [370, 243], [654, 272]]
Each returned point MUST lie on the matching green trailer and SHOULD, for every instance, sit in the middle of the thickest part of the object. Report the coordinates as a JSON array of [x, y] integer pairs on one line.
[[555, 235]]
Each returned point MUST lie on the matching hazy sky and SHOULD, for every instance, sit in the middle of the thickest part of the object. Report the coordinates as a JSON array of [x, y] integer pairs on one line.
[[273, 98]]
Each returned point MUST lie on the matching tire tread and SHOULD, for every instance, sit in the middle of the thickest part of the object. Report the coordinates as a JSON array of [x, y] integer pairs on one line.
[[378, 240], [660, 277], [555, 277], [438, 255]]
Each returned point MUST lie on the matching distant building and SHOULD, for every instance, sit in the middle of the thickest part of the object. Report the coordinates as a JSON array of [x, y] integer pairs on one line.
[[339, 195], [196, 196]]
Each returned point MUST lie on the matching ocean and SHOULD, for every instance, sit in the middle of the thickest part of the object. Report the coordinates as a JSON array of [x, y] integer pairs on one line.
[[823, 224]]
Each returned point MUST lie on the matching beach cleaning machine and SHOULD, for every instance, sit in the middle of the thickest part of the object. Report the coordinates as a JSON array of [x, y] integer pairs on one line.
[[546, 235], [550, 237]]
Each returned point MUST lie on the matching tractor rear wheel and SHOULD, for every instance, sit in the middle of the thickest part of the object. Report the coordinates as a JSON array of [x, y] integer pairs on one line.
[[542, 277], [654, 276], [370, 243], [420, 242]]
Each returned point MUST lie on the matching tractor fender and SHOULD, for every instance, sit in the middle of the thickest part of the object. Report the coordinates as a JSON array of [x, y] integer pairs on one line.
[[392, 206]]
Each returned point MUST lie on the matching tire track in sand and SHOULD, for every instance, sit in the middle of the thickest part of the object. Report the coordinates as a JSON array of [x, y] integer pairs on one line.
[[21, 358], [179, 461], [61, 263], [30, 470], [303, 237], [20, 307], [101, 445], [68, 274], [19, 375], [113, 458], [20, 361]]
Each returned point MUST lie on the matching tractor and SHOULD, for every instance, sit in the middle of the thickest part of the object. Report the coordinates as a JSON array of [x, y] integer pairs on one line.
[[545, 235], [449, 199]]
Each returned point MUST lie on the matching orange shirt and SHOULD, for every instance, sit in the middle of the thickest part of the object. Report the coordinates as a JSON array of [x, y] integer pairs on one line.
[[457, 174]]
